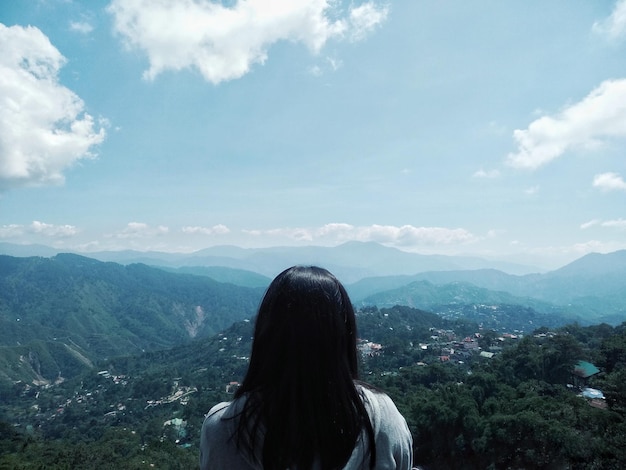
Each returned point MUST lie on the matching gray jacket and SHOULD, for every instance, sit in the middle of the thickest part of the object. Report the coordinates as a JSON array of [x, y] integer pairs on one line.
[[391, 433]]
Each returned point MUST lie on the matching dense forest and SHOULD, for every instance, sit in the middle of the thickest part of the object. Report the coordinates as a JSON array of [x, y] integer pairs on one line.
[[60, 315], [519, 405]]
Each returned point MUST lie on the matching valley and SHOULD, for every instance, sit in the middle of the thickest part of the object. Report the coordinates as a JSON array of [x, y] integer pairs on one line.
[[102, 362]]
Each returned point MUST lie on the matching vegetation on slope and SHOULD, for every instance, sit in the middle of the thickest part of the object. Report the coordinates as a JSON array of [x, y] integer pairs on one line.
[[59, 313], [514, 410]]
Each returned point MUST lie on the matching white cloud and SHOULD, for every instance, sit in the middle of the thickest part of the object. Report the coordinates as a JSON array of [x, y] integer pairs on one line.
[[82, 27], [43, 126], [600, 115], [215, 230], [493, 233], [589, 224], [50, 230], [616, 223], [609, 182], [38, 228], [221, 42], [365, 18], [140, 230], [486, 174], [403, 236], [11, 231], [407, 235], [613, 27]]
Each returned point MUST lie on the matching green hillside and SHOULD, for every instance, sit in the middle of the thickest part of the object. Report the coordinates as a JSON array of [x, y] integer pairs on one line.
[[493, 309], [58, 314], [592, 288], [514, 408]]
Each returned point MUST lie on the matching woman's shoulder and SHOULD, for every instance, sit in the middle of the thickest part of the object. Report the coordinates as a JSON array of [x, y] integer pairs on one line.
[[215, 415], [225, 409], [217, 448], [374, 396], [381, 408], [219, 408], [391, 433]]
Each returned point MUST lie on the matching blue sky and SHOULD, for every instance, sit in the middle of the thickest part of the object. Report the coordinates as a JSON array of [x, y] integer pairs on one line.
[[489, 128]]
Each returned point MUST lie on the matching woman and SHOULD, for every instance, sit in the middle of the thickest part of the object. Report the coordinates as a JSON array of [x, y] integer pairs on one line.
[[300, 406]]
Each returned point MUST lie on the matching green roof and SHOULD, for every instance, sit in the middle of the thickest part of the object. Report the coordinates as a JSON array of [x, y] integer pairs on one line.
[[585, 369]]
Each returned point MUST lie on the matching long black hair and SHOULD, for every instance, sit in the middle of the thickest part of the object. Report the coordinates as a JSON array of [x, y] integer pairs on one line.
[[301, 403]]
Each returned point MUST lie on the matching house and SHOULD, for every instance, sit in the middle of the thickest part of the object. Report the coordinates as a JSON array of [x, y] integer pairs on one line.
[[594, 397], [582, 372], [232, 387], [592, 393], [369, 348]]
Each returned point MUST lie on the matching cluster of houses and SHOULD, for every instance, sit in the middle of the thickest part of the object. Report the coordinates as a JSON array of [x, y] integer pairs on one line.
[[368, 348], [117, 379], [180, 393], [445, 346]]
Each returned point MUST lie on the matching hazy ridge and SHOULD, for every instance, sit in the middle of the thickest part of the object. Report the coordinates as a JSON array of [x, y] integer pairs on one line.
[[60, 314]]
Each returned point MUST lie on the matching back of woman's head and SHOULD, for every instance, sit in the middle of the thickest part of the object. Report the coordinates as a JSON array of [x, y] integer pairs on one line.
[[305, 329], [299, 386]]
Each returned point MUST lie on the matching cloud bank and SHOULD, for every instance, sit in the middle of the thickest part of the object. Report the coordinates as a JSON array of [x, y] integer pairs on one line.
[[37, 228], [614, 223], [222, 42], [600, 115], [403, 236], [43, 127], [219, 229], [140, 230]]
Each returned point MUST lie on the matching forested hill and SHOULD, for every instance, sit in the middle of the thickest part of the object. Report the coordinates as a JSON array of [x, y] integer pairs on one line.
[[591, 289], [59, 313], [492, 309], [472, 399]]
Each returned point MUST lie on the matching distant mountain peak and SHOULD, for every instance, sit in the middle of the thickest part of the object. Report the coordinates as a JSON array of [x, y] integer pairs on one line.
[[594, 264]]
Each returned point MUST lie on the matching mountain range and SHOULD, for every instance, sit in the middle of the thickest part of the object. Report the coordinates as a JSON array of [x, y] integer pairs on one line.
[[64, 312], [350, 261], [590, 289]]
